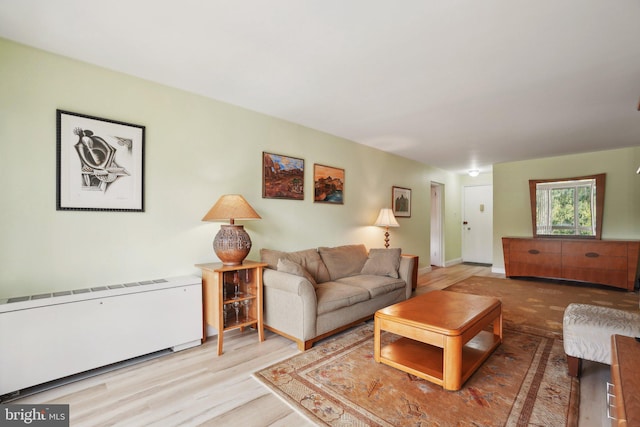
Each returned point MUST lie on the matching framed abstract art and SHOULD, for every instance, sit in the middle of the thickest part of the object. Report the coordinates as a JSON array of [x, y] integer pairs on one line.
[[99, 165]]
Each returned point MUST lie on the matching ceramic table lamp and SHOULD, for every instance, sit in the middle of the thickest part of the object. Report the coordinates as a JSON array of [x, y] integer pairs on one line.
[[232, 244]]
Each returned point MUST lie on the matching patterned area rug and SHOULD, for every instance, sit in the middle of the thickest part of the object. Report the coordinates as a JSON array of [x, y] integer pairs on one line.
[[337, 383], [524, 382], [538, 306]]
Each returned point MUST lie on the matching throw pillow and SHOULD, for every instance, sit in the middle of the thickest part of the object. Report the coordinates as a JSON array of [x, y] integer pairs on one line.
[[291, 267], [309, 259], [343, 261], [383, 262]]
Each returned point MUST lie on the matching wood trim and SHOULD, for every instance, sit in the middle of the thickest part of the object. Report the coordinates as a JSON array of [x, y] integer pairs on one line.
[[600, 189], [306, 345]]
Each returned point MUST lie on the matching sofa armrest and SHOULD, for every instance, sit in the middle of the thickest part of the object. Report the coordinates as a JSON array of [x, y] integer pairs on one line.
[[406, 272], [290, 304], [287, 282]]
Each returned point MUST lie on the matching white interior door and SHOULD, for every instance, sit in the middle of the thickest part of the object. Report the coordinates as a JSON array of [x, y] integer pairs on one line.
[[477, 224]]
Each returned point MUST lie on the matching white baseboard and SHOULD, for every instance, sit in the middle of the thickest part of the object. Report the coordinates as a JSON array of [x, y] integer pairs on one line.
[[453, 262], [186, 345], [498, 270]]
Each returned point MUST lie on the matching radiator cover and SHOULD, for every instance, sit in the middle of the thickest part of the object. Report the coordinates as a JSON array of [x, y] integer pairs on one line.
[[50, 336]]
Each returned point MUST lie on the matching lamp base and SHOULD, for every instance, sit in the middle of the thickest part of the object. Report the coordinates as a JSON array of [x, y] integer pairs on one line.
[[386, 239], [232, 244]]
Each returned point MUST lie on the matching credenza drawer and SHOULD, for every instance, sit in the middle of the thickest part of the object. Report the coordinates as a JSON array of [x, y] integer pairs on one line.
[[529, 269], [595, 261], [603, 262], [534, 258], [531, 246], [604, 249]]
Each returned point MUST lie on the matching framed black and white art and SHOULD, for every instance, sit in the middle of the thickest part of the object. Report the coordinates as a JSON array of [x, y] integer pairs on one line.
[[100, 164]]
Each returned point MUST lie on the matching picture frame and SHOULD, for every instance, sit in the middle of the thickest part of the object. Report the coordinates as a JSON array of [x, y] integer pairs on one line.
[[99, 164], [282, 177], [328, 184], [401, 201]]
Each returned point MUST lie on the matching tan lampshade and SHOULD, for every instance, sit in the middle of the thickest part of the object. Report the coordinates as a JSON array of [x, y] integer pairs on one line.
[[231, 207], [232, 243], [386, 218]]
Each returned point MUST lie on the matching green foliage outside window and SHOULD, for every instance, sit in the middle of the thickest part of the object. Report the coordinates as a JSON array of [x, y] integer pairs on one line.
[[566, 208]]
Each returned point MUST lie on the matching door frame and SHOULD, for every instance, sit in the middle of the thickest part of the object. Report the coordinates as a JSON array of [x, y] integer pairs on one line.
[[437, 224]]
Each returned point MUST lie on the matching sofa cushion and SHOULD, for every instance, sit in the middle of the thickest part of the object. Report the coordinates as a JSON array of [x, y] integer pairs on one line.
[[288, 266], [308, 258], [333, 295], [383, 262], [375, 285], [343, 261]]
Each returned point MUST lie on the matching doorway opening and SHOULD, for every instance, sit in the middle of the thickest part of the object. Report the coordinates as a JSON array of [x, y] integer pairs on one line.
[[437, 225]]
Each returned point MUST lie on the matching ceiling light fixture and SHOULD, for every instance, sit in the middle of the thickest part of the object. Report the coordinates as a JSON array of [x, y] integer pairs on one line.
[[474, 172]]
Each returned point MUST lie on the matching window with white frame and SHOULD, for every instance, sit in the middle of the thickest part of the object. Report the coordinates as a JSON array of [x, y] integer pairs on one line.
[[566, 207]]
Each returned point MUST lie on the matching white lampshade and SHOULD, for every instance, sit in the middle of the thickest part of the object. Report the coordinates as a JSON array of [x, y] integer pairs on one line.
[[386, 218]]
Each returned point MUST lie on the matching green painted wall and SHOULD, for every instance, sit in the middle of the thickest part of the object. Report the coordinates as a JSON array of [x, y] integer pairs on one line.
[[512, 214], [196, 150]]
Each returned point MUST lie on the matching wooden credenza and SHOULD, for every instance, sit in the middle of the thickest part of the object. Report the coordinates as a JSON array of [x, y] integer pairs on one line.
[[605, 262]]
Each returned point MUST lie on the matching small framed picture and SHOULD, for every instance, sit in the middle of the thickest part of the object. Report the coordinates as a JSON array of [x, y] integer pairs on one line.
[[401, 201], [328, 184], [99, 165], [282, 177]]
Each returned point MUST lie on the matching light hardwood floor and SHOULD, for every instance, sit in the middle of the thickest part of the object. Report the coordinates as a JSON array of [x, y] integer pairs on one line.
[[196, 387]]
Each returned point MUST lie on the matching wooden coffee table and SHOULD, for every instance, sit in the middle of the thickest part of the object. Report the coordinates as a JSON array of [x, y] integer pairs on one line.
[[445, 335]]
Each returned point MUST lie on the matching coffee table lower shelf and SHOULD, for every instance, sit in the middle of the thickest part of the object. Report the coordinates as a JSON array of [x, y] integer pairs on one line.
[[427, 361]]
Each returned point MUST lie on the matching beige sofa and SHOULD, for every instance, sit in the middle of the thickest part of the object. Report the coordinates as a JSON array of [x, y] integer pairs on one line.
[[313, 293]]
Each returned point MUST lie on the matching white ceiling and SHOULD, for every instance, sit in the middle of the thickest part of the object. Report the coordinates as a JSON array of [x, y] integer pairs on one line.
[[457, 84]]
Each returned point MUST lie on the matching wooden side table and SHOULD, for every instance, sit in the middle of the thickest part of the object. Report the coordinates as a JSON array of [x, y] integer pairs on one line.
[[414, 272], [232, 297], [625, 375]]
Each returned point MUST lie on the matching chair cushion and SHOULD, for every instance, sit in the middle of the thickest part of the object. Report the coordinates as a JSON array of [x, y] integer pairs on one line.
[[333, 295], [343, 261], [383, 262]]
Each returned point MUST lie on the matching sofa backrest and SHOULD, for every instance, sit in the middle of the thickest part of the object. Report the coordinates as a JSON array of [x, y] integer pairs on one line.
[[343, 261], [309, 259], [324, 263]]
